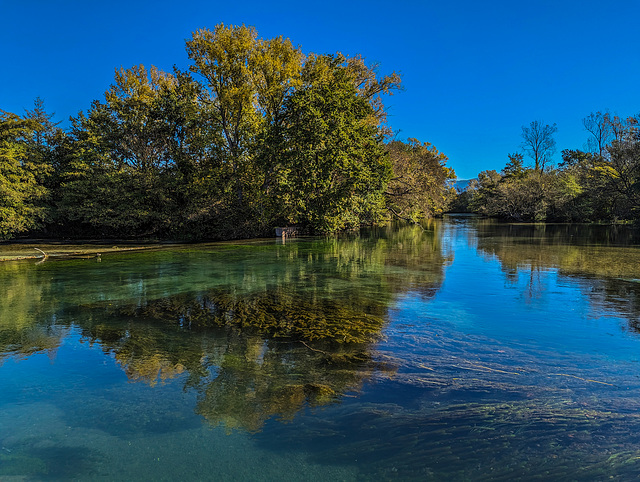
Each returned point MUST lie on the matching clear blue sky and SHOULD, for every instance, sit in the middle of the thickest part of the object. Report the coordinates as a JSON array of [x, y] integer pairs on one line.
[[474, 72]]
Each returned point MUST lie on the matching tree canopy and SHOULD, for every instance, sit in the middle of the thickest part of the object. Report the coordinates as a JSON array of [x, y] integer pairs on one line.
[[255, 134]]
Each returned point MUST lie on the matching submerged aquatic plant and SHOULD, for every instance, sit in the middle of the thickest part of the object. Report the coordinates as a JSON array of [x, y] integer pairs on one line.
[[273, 313]]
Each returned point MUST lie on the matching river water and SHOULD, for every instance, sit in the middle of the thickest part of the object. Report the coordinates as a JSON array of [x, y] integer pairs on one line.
[[462, 350]]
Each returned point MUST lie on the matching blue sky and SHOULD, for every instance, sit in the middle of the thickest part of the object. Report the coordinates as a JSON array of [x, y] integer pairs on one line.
[[473, 72]]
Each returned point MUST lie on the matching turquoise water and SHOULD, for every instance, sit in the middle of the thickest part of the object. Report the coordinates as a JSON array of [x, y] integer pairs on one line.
[[467, 350]]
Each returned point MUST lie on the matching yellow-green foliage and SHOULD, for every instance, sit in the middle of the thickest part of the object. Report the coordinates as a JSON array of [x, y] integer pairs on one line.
[[19, 189], [420, 184]]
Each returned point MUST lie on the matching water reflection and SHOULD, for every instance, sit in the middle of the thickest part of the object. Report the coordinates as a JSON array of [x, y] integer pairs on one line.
[[242, 378], [27, 313], [603, 260], [500, 372], [257, 330]]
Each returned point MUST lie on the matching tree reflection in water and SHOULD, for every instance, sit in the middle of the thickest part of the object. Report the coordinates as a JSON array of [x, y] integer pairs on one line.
[[258, 331], [603, 259]]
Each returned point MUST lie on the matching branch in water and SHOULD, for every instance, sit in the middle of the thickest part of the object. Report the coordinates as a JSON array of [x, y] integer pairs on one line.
[[412, 221]]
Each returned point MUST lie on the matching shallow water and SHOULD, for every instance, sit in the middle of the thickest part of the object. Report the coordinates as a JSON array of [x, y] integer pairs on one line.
[[469, 350]]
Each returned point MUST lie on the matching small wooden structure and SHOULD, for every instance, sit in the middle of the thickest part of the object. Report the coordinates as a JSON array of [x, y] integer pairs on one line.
[[286, 231]]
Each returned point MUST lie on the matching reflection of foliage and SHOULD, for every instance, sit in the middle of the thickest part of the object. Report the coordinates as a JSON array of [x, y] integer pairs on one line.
[[146, 352], [241, 380], [151, 368], [25, 297], [31, 341], [276, 314], [256, 330], [600, 251], [249, 356], [258, 380], [605, 257]]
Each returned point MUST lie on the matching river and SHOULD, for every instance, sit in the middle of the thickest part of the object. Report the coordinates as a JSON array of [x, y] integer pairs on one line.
[[462, 350]]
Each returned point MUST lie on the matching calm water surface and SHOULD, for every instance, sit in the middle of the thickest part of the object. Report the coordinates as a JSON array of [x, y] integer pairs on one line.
[[469, 350]]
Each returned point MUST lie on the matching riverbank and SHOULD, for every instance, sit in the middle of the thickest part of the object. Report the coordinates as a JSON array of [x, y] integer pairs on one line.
[[48, 249]]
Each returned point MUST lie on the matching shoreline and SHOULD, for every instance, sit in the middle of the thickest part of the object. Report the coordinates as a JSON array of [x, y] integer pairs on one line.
[[31, 249]]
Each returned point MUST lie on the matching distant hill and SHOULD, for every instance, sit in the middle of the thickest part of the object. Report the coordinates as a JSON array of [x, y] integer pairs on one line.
[[461, 184]]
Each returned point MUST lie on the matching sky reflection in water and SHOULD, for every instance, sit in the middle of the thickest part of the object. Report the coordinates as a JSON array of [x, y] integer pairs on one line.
[[467, 350]]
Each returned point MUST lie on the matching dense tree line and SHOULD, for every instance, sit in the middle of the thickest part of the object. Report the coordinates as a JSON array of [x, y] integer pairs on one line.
[[254, 135], [598, 184]]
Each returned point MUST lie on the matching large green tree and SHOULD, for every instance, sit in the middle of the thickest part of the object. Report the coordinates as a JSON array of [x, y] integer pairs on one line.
[[222, 57], [138, 159], [254, 135], [335, 167]]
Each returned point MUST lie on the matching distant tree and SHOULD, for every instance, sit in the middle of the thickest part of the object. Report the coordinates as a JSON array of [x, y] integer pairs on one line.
[[574, 158], [530, 196], [601, 185], [538, 143], [601, 127], [488, 179], [606, 128], [625, 129], [515, 166], [622, 174], [482, 189]]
